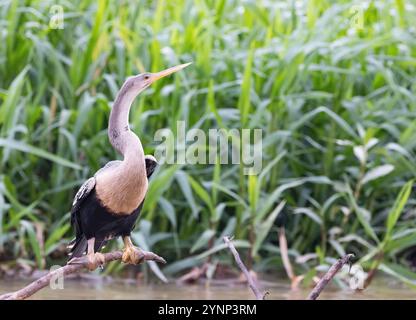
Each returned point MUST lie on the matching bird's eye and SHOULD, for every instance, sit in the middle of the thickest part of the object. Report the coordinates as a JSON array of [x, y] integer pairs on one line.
[[146, 77]]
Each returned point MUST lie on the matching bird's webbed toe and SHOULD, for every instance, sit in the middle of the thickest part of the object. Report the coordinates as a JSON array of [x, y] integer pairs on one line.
[[92, 260], [132, 255]]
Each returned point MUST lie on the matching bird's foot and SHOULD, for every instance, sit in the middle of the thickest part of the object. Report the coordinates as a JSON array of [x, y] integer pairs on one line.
[[92, 260], [132, 255]]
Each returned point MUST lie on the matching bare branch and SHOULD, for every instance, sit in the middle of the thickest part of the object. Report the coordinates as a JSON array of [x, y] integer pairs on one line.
[[328, 276], [250, 280], [284, 253], [44, 281]]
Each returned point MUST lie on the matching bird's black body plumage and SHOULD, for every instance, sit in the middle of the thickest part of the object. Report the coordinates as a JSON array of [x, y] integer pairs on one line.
[[91, 219]]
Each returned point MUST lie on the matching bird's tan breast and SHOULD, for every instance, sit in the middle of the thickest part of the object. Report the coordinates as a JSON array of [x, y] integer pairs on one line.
[[121, 191]]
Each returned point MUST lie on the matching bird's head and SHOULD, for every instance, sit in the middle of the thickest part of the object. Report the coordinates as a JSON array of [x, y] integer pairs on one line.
[[140, 82]]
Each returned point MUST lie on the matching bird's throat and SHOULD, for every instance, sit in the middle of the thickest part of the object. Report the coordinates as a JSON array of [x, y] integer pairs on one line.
[[118, 123]]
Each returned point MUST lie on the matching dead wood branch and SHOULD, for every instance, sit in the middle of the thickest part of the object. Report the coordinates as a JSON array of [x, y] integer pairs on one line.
[[44, 281], [328, 276], [250, 280]]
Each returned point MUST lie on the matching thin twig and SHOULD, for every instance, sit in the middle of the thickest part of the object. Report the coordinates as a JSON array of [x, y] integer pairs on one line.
[[44, 281], [328, 276], [250, 280], [284, 253], [195, 274]]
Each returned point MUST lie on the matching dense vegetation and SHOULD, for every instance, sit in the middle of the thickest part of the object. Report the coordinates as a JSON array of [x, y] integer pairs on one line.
[[333, 93]]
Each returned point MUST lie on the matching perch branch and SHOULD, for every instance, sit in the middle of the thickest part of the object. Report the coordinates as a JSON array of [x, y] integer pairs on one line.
[[250, 280], [328, 276], [44, 281]]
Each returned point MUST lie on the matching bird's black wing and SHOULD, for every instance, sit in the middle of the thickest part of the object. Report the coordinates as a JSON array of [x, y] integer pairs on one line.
[[78, 246], [85, 190], [81, 195]]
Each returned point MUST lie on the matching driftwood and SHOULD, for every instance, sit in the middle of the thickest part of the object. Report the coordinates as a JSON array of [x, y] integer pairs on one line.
[[328, 276], [250, 280], [44, 281]]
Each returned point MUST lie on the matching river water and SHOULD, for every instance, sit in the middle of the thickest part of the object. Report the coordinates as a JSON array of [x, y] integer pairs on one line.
[[87, 289]]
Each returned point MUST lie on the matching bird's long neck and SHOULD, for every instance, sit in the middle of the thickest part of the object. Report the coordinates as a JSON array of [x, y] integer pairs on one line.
[[122, 188], [121, 137]]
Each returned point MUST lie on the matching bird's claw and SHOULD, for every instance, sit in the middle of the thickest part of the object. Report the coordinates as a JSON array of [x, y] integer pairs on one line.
[[91, 261], [98, 260], [132, 255]]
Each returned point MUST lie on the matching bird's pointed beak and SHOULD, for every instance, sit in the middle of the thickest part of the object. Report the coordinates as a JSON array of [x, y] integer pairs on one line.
[[164, 73]]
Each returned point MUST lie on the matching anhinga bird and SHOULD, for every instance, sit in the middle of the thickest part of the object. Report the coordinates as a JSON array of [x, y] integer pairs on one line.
[[108, 204]]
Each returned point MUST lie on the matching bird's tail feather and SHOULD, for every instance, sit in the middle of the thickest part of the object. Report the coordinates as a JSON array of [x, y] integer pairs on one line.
[[100, 243], [77, 247]]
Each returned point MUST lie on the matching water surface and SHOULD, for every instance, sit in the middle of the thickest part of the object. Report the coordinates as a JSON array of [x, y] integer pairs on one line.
[[88, 289]]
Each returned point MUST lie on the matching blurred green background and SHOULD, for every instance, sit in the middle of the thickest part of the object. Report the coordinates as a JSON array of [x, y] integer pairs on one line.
[[330, 83]]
